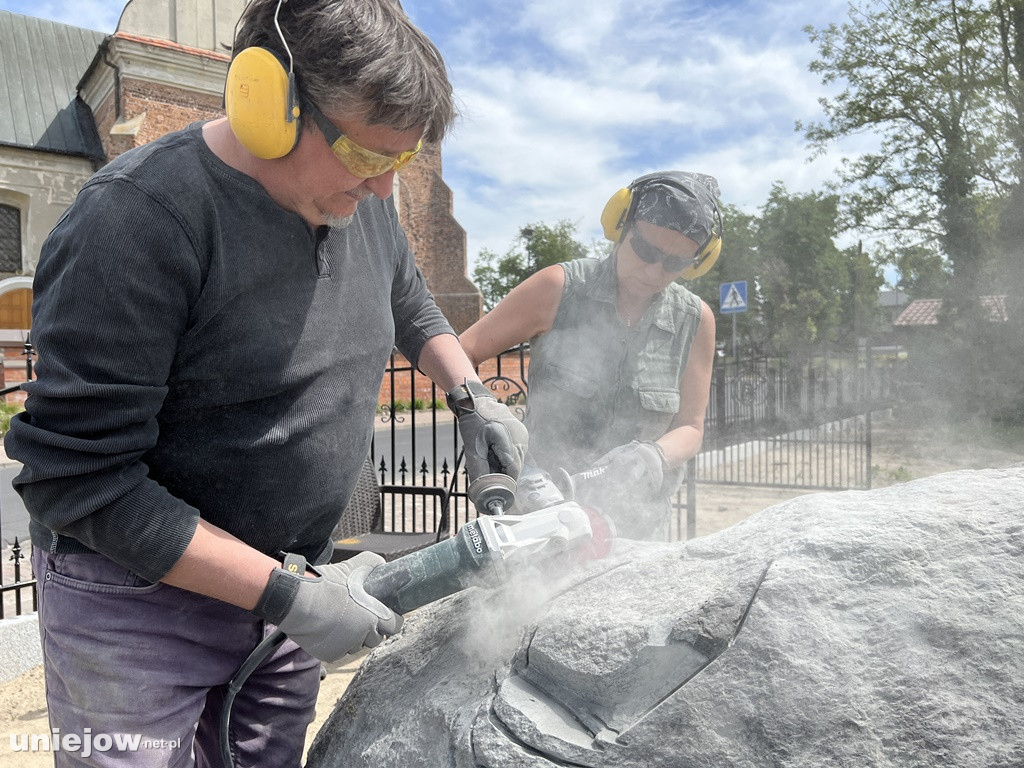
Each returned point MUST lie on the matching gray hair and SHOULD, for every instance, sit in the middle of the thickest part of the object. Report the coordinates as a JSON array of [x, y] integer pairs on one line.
[[358, 57]]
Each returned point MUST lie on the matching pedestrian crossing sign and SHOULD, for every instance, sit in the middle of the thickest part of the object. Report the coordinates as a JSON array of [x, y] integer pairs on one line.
[[732, 297]]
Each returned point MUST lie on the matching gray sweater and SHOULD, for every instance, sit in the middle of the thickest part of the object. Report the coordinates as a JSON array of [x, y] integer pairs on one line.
[[204, 353]]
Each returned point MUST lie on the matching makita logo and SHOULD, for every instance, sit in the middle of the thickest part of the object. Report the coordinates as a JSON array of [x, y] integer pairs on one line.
[[475, 538], [590, 474]]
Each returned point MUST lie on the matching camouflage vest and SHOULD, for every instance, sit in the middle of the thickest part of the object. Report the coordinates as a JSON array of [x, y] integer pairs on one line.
[[594, 383]]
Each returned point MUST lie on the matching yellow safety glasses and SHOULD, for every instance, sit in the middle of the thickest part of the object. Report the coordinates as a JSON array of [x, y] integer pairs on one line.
[[357, 160]]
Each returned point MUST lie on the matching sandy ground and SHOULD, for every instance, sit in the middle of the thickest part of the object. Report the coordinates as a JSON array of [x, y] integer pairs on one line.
[[898, 455]]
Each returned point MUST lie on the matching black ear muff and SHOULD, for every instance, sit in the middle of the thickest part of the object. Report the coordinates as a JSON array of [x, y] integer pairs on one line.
[[261, 103]]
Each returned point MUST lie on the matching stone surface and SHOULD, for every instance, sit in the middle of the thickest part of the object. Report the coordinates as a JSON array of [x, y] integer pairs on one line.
[[870, 628]]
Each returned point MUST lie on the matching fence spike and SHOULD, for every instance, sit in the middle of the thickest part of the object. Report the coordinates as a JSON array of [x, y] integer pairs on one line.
[[16, 554]]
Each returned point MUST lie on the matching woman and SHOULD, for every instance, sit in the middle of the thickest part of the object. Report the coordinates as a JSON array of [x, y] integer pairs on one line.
[[621, 353]]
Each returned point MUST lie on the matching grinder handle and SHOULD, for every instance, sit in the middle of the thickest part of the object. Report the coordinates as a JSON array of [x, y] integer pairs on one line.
[[442, 569]]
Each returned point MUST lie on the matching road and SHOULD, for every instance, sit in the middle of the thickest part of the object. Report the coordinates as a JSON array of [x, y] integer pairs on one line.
[[13, 517], [398, 444]]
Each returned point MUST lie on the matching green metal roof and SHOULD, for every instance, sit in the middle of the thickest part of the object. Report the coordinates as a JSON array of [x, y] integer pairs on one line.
[[41, 64]]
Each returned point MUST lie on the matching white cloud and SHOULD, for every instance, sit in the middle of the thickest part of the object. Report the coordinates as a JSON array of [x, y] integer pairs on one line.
[[570, 27], [622, 91], [564, 102]]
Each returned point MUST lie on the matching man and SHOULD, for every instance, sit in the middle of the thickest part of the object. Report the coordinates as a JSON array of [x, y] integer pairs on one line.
[[213, 316], [620, 351]]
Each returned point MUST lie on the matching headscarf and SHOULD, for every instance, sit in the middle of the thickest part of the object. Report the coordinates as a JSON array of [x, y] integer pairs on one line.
[[681, 201]]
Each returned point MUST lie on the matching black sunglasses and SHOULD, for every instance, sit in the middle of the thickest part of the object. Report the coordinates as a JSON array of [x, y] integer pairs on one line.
[[649, 254]]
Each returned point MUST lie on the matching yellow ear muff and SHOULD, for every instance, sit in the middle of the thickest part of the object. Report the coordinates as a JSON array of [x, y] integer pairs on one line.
[[704, 260], [261, 104], [617, 210], [613, 217]]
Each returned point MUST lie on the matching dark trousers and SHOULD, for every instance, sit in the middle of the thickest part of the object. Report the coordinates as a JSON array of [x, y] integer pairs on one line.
[[126, 657]]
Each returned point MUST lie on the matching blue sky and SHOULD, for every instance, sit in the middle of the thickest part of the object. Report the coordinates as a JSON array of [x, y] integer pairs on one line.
[[565, 101]]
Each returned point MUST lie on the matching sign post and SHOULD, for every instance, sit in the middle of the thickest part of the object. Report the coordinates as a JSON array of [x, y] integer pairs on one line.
[[732, 299]]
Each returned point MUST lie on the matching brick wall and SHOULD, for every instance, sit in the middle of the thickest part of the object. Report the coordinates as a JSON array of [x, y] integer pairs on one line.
[[437, 239], [167, 109]]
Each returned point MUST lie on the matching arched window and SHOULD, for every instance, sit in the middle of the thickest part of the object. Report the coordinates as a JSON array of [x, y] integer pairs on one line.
[[10, 239]]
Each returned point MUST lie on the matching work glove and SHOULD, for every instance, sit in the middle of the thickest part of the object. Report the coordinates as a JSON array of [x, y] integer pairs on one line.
[[495, 439], [634, 472], [329, 615]]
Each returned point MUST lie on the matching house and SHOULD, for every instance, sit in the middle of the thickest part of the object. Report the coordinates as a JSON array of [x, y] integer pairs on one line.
[[922, 313], [73, 99]]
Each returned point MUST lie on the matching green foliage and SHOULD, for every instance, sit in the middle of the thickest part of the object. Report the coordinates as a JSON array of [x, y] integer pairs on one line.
[[886, 476], [862, 315], [813, 295], [496, 275], [941, 86], [739, 260], [538, 246], [963, 370], [7, 411], [924, 273], [916, 75], [803, 293], [416, 404]]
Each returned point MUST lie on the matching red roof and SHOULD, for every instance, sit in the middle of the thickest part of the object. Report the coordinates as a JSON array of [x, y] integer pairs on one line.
[[926, 311]]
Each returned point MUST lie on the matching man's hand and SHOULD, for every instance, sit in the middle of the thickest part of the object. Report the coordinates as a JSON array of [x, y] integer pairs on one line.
[[495, 439], [329, 615]]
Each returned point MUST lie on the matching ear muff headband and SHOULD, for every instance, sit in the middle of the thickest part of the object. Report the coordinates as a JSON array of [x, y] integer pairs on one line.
[[261, 104], [618, 215]]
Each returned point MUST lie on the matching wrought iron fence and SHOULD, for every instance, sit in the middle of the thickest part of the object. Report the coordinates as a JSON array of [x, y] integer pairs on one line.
[[17, 585], [17, 596], [421, 447], [769, 422], [805, 424]]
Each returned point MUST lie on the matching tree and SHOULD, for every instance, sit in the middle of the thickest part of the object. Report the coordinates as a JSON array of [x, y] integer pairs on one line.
[[862, 314], [917, 74], [538, 246], [924, 274], [739, 260], [814, 295], [1010, 229], [1010, 216], [940, 81]]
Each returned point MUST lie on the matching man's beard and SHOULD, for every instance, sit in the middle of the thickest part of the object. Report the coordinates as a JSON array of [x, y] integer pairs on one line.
[[338, 222]]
